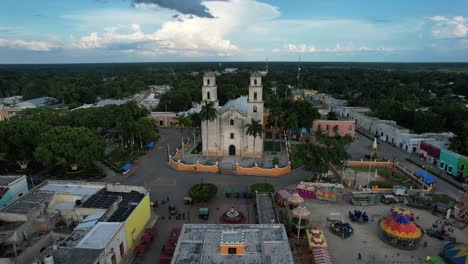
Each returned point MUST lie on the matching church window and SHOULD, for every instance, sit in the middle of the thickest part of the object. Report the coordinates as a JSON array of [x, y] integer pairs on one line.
[[207, 81], [208, 95], [232, 135], [255, 81], [231, 122], [255, 96], [255, 109]]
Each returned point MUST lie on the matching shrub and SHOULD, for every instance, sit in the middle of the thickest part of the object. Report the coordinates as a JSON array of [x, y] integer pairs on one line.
[[203, 192], [262, 187]]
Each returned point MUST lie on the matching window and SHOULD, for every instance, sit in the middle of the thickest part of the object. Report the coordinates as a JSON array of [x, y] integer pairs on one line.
[[122, 250], [207, 81], [208, 95], [381, 134], [350, 128], [21, 194], [255, 81], [232, 251], [255, 96], [232, 135], [231, 122], [449, 169], [328, 127], [161, 123], [255, 109], [441, 165]]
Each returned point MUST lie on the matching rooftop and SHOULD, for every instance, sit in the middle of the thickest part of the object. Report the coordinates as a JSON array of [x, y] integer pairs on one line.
[[7, 180], [266, 209], [100, 235], [75, 255], [72, 188], [240, 104], [200, 243], [37, 102], [28, 202]]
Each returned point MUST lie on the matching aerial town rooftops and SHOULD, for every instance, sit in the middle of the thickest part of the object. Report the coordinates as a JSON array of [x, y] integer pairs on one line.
[[100, 235], [200, 243], [36, 102]]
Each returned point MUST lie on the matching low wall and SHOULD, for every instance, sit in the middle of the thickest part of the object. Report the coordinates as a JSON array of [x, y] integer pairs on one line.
[[376, 189], [178, 165], [257, 171]]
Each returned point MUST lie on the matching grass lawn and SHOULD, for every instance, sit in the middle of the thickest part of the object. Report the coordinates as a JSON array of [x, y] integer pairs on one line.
[[398, 178], [442, 198], [268, 146], [296, 158]]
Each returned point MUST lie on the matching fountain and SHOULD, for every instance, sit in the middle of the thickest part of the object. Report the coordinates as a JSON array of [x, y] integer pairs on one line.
[[232, 216]]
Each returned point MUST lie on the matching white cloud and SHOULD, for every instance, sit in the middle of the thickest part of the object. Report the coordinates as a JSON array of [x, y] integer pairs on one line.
[[29, 45], [338, 48], [455, 27]]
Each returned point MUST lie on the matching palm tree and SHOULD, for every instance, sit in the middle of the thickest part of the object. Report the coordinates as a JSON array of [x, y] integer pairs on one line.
[[208, 113], [254, 129], [182, 122], [276, 113]]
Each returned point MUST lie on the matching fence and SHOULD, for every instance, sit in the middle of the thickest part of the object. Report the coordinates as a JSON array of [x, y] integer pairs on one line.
[[178, 165], [257, 171]]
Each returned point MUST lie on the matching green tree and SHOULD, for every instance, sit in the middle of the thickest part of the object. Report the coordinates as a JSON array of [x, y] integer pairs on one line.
[[70, 147], [203, 192], [332, 116], [254, 129], [276, 114], [208, 113], [20, 138]]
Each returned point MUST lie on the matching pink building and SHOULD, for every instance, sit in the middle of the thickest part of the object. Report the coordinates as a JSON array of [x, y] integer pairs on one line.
[[343, 128], [164, 119]]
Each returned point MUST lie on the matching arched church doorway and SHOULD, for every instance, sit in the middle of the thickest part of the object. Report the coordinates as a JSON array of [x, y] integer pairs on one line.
[[232, 150]]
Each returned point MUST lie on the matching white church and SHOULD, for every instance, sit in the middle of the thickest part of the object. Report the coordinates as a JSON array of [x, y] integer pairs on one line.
[[227, 133]]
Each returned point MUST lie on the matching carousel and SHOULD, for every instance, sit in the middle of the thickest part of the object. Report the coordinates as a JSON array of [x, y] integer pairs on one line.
[[341, 229], [300, 217], [456, 253], [295, 200], [398, 229]]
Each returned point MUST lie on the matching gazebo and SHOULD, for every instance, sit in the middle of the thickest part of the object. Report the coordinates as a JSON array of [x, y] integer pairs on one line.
[[455, 253], [295, 200], [399, 231], [300, 216]]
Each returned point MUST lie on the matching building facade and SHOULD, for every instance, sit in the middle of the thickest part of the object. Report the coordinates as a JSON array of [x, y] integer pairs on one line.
[[453, 163], [164, 119], [342, 128], [226, 134]]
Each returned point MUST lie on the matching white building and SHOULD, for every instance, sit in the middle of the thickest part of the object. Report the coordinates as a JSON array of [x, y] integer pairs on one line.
[[226, 135], [388, 131]]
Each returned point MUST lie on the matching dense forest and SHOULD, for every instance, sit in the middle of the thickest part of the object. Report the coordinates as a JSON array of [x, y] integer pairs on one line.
[[424, 97]]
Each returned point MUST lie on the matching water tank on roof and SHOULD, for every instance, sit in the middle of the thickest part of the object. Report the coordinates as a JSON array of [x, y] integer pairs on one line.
[[49, 260]]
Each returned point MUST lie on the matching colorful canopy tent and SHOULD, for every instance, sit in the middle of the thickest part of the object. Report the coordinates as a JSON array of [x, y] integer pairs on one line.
[[300, 217], [316, 238], [321, 256], [295, 200], [281, 197], [399, 231], [456, 253], [426, 177], [306, 190], [126, 167], [150, 145]]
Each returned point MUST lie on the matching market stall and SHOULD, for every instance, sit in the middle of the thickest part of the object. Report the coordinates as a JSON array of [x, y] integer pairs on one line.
[[363, 198], [306, 190], [321, 256], [325, 193], [281, 197], [399, 231], [316, 238], [295, 200], [300, 217]]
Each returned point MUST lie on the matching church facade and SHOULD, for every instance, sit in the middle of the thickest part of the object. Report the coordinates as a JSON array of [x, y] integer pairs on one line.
[[226, 135]]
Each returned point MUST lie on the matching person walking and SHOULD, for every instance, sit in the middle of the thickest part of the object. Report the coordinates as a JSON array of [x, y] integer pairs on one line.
[[359, 256]]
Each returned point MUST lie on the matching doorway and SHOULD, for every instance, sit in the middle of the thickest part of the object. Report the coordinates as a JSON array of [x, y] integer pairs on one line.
[[232, 150]]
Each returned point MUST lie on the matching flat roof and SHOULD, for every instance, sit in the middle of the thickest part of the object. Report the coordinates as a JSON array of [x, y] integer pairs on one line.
[[74, 189], [5, 180], [200, 243], [266, 209], [28, 202], [100, 235], [75, 255]]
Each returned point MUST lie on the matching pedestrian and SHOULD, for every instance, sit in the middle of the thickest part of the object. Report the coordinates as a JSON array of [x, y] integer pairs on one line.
[[359, 256]]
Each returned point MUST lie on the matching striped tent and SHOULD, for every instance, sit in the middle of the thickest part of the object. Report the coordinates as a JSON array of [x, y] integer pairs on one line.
[[321, 256]]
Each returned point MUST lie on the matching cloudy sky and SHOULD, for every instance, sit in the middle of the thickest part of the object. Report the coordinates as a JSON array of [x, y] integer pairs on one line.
[[76, 31]]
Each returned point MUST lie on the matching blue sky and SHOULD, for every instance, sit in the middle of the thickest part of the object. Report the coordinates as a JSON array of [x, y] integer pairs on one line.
[[65, 31]]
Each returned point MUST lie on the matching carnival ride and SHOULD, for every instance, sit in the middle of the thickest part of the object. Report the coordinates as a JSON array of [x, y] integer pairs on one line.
[[341, 229], [398, 229], [358, 216]]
